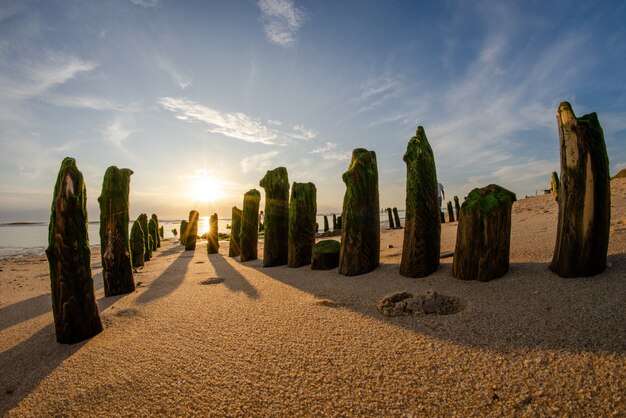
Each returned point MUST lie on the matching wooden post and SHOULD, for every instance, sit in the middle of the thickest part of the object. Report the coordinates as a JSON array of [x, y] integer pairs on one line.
[[450, 212], [137, 244], [326, 228], [191, 232], [154, 233], [117, 269], [143, 221], [396, 217], [360, 235], [442, 217], [276, 185], [334, 222], [483, 236], [213, 243], [234, 247], [325, 255], [555, 186], [302, 210], [183, 231], [584, 197], [390, 216], [158, 231], [249, 234], [457, 207], [74, 306], [422, 223]]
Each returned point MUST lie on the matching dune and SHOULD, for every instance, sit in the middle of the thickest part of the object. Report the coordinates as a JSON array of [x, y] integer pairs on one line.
[[208, 335]]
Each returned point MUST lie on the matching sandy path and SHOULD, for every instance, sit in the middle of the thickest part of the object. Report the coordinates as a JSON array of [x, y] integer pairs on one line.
[[285, 342]]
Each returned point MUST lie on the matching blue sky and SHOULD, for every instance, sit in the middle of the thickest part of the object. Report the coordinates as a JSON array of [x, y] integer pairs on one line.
[[210, 94]]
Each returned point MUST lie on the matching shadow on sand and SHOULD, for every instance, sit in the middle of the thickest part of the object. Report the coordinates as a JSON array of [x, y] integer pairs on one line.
[[528, 307], [25, 310], [233, 280], [169, 280]]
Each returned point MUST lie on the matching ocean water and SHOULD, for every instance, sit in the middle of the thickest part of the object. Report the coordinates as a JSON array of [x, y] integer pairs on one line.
[[17, 239]]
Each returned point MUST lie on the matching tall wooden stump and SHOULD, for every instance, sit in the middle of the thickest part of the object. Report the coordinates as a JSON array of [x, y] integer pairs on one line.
[[334, 222], [390, 216], [154, 233], [117, 269], [325, 255], [302, 211], [183, 231], [483, 236], [158, 230], [555, 186], [161, 234], [442, 217], [191, 232], [276, 185], [249, 234], [450, 212], [584, 197], [326, 228], [74, 306], [137, 244], [339, 221], [422, 223], [360, 235], [234, 246], [457, 207], [143, 221], [213, 244], [396, 217]]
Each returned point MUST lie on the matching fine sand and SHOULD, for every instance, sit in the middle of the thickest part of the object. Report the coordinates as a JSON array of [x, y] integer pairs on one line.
[[283, 342]]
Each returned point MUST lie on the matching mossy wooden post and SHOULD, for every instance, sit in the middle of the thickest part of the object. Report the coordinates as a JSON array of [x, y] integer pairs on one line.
[[450, 212], [117, 269], [143, 221], [390, 217], [442, 217], [339, 221], [334, 222], [249, 235], [584, 197], [183, 231], [396, 217], [483, 237], [325, 255], [191, 231], [154, 233], [213, 244], [422, 223], [360, 235], [234, 247], [302, 211], [74, 306], [555, 186], [158, 231], [137, 244], [276, 185], [161, 234], [326, 227], [457, 207]]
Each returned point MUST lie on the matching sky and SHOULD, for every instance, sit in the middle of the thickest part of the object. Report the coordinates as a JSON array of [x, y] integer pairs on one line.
[[201, 98]]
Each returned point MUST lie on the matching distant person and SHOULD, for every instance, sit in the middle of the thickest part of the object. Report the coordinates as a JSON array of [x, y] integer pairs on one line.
[[261, 216], [441, 193]]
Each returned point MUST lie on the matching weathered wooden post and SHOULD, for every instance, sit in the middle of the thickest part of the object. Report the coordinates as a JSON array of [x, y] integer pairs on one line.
[[234, 246], [213, 243], [582, 238], [339, 221], [143, 221], [450, 212], [154, 233], [422, 223], [555, 186], [183, 231], [302, 210], [191, 232], [158, 231], [360, 235], [457, 207], [117, 269], [325, 255], [249, 235], [161, 234], [137, 244], [74, 306], [276, 185], [334, 222], [397, 218], [442, 217], [483, 237], [390, 216], [326, 228]]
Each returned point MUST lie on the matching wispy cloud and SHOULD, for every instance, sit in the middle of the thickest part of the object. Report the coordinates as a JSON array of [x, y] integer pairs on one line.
[[87, 102], [301, 132], [533, 174], [145, 3], [259, 162], [281, 21], [329, 151], [179, 77], [116, 132]]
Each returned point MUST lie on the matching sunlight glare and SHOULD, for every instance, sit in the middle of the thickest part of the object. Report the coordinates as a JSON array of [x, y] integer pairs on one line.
[[205, 189]]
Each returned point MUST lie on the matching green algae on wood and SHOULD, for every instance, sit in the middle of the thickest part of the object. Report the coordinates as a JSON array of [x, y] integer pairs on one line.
[[325, 255], [326, 227], [396, 218], [74, 306], [360, 235], [143, 221], [213, 243], [555, 186], [450, 212], [302, 212], [158, 230], [183, 231], [276, 225], [390, 217], [584, 196], [117, 269], [483, 237], [249, 233], [422, 222], [154, 233], [137, 244], [234, 247], [191, 232]]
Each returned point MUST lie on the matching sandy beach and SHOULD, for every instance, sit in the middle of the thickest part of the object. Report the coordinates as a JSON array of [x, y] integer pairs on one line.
[[284, 342]]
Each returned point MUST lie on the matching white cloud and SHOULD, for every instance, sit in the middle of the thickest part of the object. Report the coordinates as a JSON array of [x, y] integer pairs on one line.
[[274, 122], [301, 132], [86, 102], [534, 174], [145, 3], [116, 132], [180, 78], [281, 20], [259, 162], [329, 152]]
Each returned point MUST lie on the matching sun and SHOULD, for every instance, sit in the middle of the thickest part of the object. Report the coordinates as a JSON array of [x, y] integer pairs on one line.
[[205, 189]]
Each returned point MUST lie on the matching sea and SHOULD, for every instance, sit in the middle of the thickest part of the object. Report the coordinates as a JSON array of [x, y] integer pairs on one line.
[[18, 239]]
